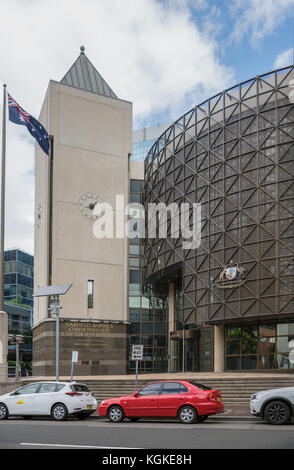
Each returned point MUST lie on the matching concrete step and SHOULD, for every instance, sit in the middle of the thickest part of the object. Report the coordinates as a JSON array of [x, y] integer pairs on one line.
[[234, 390], [215, 385]]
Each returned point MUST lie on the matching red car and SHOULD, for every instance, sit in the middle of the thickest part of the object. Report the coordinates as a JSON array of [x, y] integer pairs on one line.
[[189, 401]]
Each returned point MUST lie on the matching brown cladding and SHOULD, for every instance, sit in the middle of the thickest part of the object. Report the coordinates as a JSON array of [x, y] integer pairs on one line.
[[234, 154]]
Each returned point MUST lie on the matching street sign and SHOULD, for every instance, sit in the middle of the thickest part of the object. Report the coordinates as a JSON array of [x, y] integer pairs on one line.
[[137, 352], [137, 355], [75, 355]]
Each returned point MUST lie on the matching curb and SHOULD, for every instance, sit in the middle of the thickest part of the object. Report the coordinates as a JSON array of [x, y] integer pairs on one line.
[[244, 418]]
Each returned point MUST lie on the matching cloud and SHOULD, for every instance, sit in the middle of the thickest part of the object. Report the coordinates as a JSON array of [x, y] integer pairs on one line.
[[151, 53], [19, 194], [258, 17], [284, 59]]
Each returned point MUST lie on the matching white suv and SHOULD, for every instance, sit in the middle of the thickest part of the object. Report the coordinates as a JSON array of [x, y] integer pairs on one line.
[[56, 399], [276, 406]]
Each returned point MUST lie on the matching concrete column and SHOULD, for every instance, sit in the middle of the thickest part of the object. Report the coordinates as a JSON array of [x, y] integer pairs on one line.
[[171, 317], [3, 346], [219, 348]]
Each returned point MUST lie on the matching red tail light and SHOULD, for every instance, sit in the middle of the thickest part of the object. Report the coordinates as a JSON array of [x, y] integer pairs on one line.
[[73, 394], [214, 396], [211, 397]]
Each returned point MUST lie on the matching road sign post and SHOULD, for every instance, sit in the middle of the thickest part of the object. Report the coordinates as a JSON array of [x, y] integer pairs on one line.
[[54, 292], [74, 358], [137, 355]]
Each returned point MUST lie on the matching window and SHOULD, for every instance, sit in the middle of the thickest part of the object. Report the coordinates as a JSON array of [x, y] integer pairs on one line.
[[183, 389], [90, 293], [79, 388], [169, 388], [58, 387], [32, 388], [47, 388], [151, 389], [201, 386]]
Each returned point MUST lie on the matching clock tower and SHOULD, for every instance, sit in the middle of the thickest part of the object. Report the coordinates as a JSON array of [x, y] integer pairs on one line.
[[90, 132]]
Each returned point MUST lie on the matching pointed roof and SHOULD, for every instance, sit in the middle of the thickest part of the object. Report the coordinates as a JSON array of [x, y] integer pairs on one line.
[[84, 76]]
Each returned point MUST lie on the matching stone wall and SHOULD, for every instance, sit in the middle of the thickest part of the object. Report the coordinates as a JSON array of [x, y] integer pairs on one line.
[[102, 347]]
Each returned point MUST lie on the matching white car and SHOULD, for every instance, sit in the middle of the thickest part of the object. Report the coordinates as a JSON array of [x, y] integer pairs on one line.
[[276, 406], [56, 399]]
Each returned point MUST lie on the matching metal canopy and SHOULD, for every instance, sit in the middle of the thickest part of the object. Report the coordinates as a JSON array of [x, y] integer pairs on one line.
[[48, 291], [84, 76]]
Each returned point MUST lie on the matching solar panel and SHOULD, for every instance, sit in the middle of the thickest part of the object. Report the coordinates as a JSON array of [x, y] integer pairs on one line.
[[47, 291]]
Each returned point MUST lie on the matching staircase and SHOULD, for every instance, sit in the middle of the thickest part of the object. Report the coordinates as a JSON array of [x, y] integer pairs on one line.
[[233, 390]]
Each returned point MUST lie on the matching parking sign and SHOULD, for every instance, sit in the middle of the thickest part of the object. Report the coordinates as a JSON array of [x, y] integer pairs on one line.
[[75, 356], [137, 352]]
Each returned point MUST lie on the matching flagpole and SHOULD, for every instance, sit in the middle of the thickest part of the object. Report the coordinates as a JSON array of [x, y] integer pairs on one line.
[[3, 200]]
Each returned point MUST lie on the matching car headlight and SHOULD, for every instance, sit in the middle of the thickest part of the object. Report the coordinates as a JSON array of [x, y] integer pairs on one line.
[[256, 396], [102, 402]]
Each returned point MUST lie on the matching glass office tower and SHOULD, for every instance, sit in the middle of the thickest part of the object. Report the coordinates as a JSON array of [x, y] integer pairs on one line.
[[147, 316], [18, 299], [143, 139]]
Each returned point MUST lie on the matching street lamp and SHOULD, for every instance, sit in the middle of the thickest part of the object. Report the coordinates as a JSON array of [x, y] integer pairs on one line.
[[17, 340], [54, 292]]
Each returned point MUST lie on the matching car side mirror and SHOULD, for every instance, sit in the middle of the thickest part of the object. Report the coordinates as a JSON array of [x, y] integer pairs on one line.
[[136, 394]]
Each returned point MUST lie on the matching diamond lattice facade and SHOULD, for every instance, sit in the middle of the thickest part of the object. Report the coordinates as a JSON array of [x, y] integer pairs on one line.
[[234, 155]]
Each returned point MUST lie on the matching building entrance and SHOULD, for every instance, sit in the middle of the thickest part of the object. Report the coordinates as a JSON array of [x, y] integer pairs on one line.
[[191, 350], [185, 351]]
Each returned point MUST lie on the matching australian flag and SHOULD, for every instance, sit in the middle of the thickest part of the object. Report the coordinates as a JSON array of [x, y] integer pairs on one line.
[[19, 116]]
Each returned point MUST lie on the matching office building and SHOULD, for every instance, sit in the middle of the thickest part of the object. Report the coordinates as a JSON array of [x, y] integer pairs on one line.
[[18, 299], [231, 300], [226, 304]]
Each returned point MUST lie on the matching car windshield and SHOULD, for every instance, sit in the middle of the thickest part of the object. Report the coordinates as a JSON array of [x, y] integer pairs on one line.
[[79, 388], [201, 386]]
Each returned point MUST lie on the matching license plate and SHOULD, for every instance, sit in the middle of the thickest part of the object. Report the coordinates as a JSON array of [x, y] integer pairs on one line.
[[218, 398], [90, 407]]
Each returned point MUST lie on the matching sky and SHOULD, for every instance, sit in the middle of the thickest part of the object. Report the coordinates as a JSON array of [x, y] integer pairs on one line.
[[165, 56]]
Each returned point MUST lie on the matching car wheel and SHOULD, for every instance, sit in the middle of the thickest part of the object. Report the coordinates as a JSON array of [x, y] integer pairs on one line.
[[201, 419], [115, 414], [3, 411], [59, 412], [277, 412], [187, 415], [134, 419]]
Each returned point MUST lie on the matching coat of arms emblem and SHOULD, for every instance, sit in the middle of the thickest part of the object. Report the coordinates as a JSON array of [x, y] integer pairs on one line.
[[231, 273], [231, 277]]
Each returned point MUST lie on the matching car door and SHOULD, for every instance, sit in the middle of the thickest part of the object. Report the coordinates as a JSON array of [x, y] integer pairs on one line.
[[170, 399], [46, 397], [144, 403], [22, 401]]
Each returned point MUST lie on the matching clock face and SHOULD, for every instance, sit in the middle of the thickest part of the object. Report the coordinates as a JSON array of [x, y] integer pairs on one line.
[[87, 203]]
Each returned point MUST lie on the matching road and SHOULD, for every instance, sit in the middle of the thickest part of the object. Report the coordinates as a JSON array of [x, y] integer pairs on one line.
[[218, 433]]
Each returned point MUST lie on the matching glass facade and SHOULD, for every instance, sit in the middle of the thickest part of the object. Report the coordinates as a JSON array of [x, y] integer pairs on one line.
[[148, 315], [263, 346], [191, 345], [18, 298], [141, 149], [18, 278], [143, 139]]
